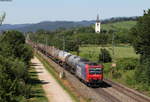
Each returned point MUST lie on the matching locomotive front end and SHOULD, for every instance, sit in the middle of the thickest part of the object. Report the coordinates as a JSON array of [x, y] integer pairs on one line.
[[94, 74]]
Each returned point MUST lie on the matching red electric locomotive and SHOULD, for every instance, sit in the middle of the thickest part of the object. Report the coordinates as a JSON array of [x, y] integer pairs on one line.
[[88, 72]]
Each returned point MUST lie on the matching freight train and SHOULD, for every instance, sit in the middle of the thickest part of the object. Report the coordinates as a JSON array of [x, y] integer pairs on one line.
[[87, 71]]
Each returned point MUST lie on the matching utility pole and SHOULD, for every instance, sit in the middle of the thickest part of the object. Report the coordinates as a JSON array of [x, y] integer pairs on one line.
[[113, 66], [27, 38], [78, 46], [46, 43], [2, 17], [113, 44], [63, 43]]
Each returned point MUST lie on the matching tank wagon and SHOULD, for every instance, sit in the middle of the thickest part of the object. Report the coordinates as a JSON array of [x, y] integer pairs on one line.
[[85, 70]]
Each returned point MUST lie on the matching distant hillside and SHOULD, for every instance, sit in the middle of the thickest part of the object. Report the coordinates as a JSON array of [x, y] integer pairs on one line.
[[49, 25], [9, 26]]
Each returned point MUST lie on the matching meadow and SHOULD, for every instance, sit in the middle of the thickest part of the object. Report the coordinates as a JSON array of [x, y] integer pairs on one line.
[[119, 25], [121, 51]]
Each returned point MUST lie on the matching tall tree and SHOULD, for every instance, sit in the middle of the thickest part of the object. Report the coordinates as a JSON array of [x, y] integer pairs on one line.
[[141, 43], [141, 35], [13, 44]]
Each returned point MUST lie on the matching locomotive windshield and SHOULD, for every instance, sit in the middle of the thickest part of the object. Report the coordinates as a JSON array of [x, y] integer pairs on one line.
[[95, 71]]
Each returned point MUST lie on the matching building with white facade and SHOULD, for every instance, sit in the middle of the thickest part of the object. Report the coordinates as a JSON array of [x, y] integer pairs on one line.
[[97, 25]]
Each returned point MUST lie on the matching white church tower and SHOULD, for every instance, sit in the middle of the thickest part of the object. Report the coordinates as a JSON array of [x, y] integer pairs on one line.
[[97, 25]]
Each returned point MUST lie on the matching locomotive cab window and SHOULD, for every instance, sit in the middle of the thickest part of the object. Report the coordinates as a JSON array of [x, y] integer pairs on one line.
[[95, 71]]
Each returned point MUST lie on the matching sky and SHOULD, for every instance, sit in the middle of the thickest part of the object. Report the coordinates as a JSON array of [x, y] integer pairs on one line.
[[34, 11]]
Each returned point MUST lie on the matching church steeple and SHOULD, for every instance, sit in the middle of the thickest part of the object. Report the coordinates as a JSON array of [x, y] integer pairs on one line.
[[97, 18], [97, 25]]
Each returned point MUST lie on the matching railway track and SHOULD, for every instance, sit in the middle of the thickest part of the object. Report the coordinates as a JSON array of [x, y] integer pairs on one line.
[[106, 95], [138, 97]]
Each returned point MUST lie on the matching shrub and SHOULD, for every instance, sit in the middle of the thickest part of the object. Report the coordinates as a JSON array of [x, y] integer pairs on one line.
[[104, 56], [12, 44], [127, 63], [116, 75], [142, 73], [130, 80]]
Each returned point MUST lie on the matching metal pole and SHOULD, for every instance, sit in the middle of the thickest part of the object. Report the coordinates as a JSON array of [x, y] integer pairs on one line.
[[2, 18], [113, 52], [113, 44], [63, 43], [46, 44]]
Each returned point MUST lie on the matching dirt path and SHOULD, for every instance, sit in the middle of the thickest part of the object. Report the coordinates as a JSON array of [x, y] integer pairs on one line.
[[53, 90]]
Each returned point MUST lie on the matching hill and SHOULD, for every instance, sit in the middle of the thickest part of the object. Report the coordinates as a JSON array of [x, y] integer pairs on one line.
[[119, 22], [46, 25]]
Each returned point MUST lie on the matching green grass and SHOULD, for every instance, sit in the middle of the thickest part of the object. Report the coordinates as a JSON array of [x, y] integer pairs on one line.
[[119, 25], [92, 52], [37, 92], [55, 75]]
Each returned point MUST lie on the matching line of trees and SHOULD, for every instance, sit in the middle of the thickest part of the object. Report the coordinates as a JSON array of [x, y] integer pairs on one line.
[[15, 58], [76, 37], [141, 43], [119, 19]]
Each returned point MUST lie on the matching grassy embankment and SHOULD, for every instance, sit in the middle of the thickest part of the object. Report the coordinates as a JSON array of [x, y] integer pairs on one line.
[[38, 94], [63, 83]]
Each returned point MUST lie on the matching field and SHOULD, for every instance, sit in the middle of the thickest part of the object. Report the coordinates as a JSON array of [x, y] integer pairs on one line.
[[92, 52], [119, 25]]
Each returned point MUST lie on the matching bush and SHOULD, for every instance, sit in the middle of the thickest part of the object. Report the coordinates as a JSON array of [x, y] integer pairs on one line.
[[104, 56], [142, 73], [116, 75], [12, 44], [13, 74], [127, 63], [130, 80]]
